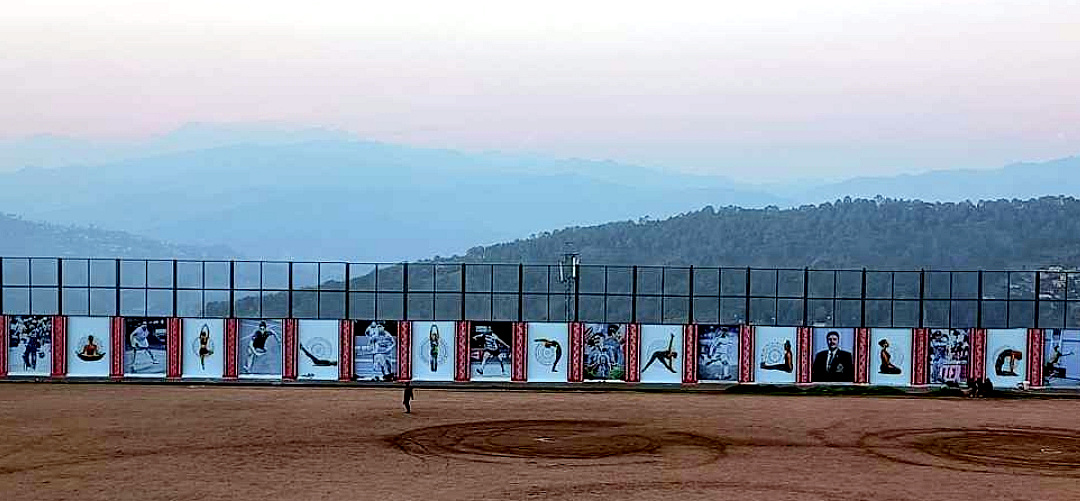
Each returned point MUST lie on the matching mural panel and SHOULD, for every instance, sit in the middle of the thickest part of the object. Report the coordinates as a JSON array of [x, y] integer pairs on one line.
[[145, 341], [833, 360], [318, 350], [203, 344], [548, 349], [88, 341], [776, 354], [1062, 358], [491, 350], [605, 352], [950, 354], [29, 345], [375, 350], [1006, 362], [718, 353], [661, 351], [433, 351], [890, 357], [259, 348]]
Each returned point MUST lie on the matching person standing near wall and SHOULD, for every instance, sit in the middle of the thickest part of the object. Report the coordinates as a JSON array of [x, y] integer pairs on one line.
[[407, 396]]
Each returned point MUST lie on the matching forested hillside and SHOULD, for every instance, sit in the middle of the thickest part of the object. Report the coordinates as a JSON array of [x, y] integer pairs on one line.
[[19, 237], [881, 233]]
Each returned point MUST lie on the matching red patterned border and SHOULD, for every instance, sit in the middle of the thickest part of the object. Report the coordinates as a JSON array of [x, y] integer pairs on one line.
[[116, 358], [345, 350], [746, 354], [404, 350], [4, 335], [174, 348], [577, 354], [690, 354], [920, 359], [289, 350], [805, 335], [862, 356], [632, 350], [977, 362], [59, 346], [461, 359], [519, 364], [1035, 346], [232, 359]]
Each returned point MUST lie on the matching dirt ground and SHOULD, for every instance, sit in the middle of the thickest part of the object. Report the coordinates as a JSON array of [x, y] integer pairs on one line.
[[127, 442]]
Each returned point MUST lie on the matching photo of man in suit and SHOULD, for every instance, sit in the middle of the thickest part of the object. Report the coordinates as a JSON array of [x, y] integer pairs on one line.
[[833, 365]]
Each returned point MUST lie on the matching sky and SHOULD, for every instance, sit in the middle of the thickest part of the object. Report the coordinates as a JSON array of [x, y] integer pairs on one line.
[[757, 91]]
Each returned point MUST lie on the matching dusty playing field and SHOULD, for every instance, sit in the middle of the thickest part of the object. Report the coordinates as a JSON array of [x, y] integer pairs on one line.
[[108, 442]]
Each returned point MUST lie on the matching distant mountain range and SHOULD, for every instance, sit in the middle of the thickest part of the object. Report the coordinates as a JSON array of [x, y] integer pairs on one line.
[[28, 238], [278, 193], [881, 234]]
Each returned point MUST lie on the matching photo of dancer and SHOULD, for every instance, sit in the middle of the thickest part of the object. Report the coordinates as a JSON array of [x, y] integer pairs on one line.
[[950, 352], [375, 346], [776, 352], [833, 362], [433, 351], [547, 352], [661, 353], [1006, 363], [144, 346], [29, 345], [490, 350], [605, 352], [1061, 358], [718, 352], [317, 349], [890, 357], [259, 348], [88, 346], [203, 340]]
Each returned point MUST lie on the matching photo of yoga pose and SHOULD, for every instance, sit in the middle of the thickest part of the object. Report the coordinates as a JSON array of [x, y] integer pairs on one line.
[[776, 354], [548, 351]]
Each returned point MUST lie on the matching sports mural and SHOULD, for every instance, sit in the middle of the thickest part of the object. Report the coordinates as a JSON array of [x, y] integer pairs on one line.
[[1006, 363], [776, 354], [375, 350], [318, 350], [203, 344], [661, 353], [259, 348], [718, 353], [490, 351], [890, 357], [605, 352], [950, 355], [547, 351], [144, 346], [433, 351], [1061, 358], [29, 345]]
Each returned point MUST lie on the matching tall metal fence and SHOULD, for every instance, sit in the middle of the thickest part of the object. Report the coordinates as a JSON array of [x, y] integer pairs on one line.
[[539, 292]]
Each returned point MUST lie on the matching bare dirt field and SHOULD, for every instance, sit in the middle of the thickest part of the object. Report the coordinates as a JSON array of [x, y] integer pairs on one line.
[[145, 442]]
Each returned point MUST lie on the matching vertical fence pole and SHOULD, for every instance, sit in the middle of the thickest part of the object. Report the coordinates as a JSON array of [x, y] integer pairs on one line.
[[464, 272], [862, 315], [60, 286], [1038, 297], [922, 296], [405, 291], [633, 296], [690, 294], [348, 287], [806, 297], [746, 312], [978, 304], [175, 280], [232, 289], [116, 282], [289, 294], [521, 292]]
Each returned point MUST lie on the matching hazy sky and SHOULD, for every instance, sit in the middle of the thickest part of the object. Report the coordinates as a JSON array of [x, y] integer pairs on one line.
[[753, 90]]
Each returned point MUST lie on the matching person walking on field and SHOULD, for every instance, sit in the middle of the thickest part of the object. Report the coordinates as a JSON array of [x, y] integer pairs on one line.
[[407, 397]]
